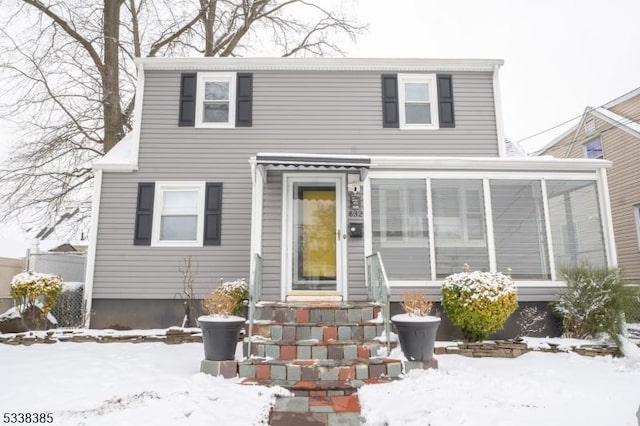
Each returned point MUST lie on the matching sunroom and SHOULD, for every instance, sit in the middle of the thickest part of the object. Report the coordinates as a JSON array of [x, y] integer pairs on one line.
[[316, 217]]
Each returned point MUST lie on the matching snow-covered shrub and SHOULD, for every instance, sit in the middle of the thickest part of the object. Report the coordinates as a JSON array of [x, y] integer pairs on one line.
[[31, 289], [594, 301], [227, 299], [478, 303]]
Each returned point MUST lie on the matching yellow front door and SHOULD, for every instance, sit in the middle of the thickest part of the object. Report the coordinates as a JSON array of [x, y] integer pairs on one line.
[[315, 231]]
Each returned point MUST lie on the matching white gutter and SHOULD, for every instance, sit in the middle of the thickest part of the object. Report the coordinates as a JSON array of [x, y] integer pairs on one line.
[[93, 240], [137, 116], [320, 64], [497, 102]]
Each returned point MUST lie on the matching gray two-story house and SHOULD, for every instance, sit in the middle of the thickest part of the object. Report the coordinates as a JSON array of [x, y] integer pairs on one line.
[[314, 164]]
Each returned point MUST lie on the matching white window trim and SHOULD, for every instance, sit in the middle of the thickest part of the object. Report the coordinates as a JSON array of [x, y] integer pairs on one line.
[[636, 214], [157, 213], [204, 77], [429, 79]]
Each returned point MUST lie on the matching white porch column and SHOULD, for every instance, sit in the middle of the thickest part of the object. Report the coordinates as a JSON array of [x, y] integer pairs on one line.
[[607, 221], [258, 176]]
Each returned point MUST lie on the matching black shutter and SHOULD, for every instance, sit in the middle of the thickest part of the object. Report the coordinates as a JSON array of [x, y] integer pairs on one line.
[[390, 113], [213, 214], [445, 101], [188, 83], [244, 99], [144, 214]]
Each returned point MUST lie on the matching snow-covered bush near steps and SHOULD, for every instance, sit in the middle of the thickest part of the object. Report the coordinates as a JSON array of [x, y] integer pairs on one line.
[[479, 303], [32, 289]]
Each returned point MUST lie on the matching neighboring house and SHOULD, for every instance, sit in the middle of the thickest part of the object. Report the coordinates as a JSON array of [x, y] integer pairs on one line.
[[612, 132], [316, 163], [8, 268]]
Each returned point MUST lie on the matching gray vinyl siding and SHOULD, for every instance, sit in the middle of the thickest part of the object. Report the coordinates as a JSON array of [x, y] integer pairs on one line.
[[299, 112]]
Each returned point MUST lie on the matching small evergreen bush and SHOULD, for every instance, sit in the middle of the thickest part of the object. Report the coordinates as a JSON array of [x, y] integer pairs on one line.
[[478, 303], [31, 290], [594, 301]]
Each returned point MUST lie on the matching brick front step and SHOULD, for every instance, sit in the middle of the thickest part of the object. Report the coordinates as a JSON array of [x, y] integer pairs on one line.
[[320, 411], [320, 370], [328, 313], [319, 331], [313, 349], [318, 388]]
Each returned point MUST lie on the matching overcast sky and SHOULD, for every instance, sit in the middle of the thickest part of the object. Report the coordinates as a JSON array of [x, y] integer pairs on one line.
[[560, 56]]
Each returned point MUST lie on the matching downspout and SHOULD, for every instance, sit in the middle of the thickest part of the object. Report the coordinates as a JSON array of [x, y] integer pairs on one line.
[[91, 253], [497, 102]]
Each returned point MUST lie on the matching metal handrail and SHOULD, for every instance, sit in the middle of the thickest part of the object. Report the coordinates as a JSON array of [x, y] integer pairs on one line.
[[379, 290], [255, 289]]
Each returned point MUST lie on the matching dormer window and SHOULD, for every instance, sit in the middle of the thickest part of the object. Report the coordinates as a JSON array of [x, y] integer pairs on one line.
[[418, 101], [215, 101], [593, 149]]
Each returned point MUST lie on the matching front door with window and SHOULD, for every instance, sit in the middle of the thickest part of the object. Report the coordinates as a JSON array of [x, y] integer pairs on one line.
[[314, 234]]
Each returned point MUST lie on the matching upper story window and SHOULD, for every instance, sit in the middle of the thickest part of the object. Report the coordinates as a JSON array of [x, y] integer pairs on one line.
[[418, 101], [593, 149], [215, 101], [178, 218]]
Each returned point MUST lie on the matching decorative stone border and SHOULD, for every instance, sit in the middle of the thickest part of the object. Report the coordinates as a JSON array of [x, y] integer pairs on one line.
[[174, 336], [171, 336], [513, 349]]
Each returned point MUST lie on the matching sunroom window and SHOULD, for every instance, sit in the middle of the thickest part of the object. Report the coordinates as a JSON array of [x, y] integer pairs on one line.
[[399, 223], [519, 228], [576, 226], [459, 226]]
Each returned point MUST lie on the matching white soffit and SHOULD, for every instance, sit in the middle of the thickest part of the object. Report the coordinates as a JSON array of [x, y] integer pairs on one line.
[[320, 64]]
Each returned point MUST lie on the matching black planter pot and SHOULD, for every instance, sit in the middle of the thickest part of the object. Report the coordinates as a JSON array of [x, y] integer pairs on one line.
[[417, 338], [220, 336]]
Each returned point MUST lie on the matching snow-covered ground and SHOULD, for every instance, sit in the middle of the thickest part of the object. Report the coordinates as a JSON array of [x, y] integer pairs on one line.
[[154, 383]]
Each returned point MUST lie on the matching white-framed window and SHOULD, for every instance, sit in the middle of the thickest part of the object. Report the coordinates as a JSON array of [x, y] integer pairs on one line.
[[402, 209], [418, 101], [458, 216], [593, 149], [178, 214], [216, 99], [636, 213]]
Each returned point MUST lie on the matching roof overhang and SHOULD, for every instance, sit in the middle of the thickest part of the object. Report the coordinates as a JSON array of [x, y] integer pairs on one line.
[[534, 164], [293, 161], [320, 64], [121, 158]]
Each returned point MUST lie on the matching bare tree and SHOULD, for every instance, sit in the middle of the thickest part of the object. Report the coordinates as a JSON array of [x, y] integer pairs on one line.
[[68, 78]]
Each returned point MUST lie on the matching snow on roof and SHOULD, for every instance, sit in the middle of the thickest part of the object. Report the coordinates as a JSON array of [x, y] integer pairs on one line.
[[120, 157], [514, 149]]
